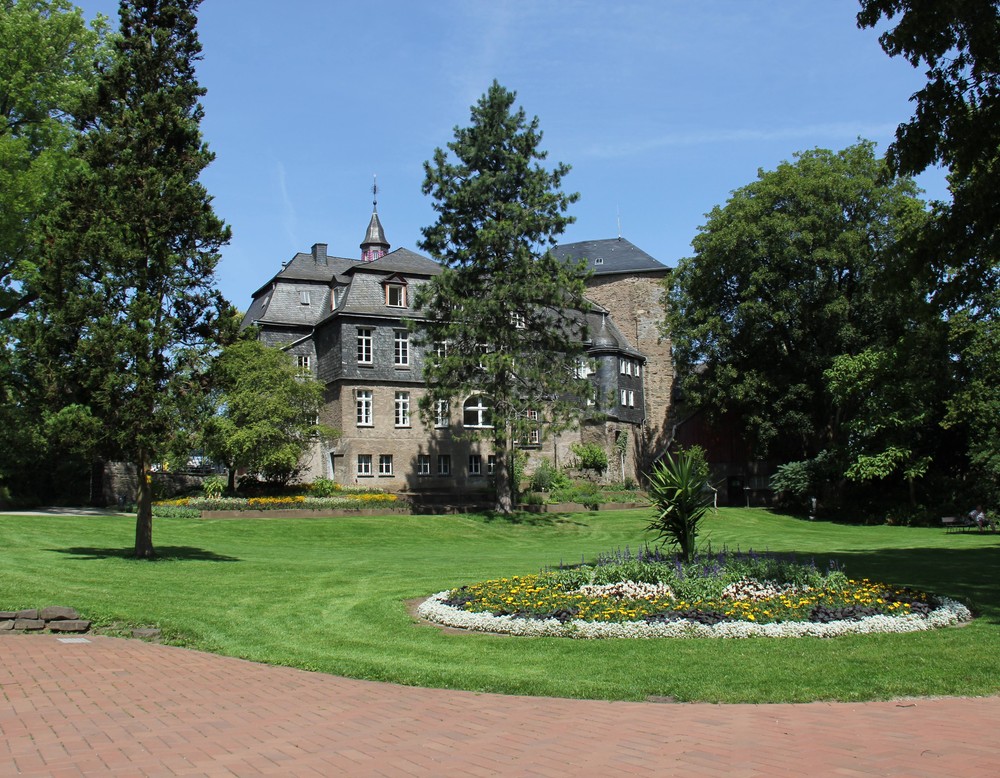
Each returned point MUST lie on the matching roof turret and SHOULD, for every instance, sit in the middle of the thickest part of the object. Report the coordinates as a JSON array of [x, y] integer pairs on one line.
[[374, 245]]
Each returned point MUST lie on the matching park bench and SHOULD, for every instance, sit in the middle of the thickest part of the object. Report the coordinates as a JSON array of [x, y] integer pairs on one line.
[[962, 523], [958, 523]]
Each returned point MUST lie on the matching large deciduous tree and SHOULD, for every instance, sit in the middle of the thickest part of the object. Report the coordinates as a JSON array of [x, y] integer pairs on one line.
[[266, 412], [502, 322], [48, 61], [128, 307], [956, 124], [956, 121], [798, 268]]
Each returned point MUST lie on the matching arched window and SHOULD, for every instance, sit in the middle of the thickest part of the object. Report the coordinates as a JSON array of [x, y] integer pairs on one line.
[[476, 412]]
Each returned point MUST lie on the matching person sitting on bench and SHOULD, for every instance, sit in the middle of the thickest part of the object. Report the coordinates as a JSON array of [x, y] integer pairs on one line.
[[978, 515]]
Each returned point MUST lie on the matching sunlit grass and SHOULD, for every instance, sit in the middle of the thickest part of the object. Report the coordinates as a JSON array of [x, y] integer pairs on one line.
[[330, 595]]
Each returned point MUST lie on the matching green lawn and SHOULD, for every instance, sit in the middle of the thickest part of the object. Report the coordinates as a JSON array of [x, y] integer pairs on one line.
[[329, 594]]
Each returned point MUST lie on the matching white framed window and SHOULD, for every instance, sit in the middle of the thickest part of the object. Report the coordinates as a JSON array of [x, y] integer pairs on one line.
[[305, 297], [395, 295], [303, 365], [583, 368], [444, 464], [423, 464], [441, 349], [365, 335], [442, 414], [401, 348], [475, 464], [518, 320], [534, 434], [491, 464], [402, 409], [385, 464], [363, 407], [476, 413], [364, 465], [624, 397], [631, 399], [621, 366]]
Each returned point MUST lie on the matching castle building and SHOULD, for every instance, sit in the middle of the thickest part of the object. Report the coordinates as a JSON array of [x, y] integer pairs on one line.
[[344, 321]]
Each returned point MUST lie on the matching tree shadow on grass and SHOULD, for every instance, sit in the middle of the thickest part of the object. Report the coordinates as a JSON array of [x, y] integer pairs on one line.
[[529, 519], [163, 554], [971, 575]]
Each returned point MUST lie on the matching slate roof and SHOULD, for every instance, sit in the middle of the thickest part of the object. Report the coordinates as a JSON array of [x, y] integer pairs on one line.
[[609, 257], [400, 261]]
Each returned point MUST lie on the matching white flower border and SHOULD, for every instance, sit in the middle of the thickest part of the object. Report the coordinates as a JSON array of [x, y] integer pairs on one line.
[[948, 613]]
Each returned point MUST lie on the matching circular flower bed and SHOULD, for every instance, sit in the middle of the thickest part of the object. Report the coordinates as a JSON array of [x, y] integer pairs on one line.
[[717, 595]]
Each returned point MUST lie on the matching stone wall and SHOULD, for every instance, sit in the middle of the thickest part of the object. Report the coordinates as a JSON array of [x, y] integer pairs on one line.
[[119, 483], [636, 303]]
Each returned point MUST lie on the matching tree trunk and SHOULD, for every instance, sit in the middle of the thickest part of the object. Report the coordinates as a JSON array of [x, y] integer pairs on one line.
[[504, 478], [231, 487], [144, 510]]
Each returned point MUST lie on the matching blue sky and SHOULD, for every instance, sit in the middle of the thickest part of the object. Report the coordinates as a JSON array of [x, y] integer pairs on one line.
[[662, 108]]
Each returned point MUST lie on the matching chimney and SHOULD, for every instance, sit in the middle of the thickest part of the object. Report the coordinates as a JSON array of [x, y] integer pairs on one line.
[[319, 253]]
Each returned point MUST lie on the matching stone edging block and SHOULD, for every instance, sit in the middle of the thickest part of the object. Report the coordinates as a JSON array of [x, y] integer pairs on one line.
[[56, 618]]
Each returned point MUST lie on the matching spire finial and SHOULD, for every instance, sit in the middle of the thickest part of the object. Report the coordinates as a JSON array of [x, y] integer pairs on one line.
[[375, 192]]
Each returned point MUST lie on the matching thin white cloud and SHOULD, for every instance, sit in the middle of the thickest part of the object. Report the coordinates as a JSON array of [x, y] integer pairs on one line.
[[811, 133]]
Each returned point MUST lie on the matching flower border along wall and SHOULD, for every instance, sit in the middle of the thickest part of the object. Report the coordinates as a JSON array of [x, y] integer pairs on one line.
[[723, 595]]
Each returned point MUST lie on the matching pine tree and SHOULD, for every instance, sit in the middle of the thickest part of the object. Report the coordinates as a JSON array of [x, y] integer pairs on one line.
[[128, 300], [503, 322]]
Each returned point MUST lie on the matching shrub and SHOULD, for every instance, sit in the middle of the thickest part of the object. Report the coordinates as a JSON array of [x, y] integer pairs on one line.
[[792, 482], [324, 487], [547, 477], [590, 456], [213, 486]]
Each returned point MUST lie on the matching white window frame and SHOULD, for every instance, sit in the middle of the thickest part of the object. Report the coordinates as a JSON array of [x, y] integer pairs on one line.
[[364, 466], [481, 409], [305, 297], [631, 399], [397, 291], [423, 464], [366, 342], [624, 397], [364, 403], [621, 365], [401, 348], [518, 320], [442, 414], [303, 364], [385, 464], [475, 464], [401, 409], [491, 464], [444, 464]]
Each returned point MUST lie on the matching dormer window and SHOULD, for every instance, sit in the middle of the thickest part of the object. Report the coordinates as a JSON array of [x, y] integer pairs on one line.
[[395, 292]]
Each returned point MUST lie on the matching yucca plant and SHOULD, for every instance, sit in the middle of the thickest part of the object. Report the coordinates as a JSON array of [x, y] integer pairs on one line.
[[679, 495]]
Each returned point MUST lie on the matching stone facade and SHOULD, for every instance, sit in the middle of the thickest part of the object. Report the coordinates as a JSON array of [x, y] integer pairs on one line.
[[344, 321]]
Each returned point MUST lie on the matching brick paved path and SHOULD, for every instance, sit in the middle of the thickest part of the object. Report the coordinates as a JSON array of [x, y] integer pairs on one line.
[[128, 708]]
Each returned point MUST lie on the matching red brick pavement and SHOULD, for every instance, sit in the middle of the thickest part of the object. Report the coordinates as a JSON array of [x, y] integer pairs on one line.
[[128, 708]]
